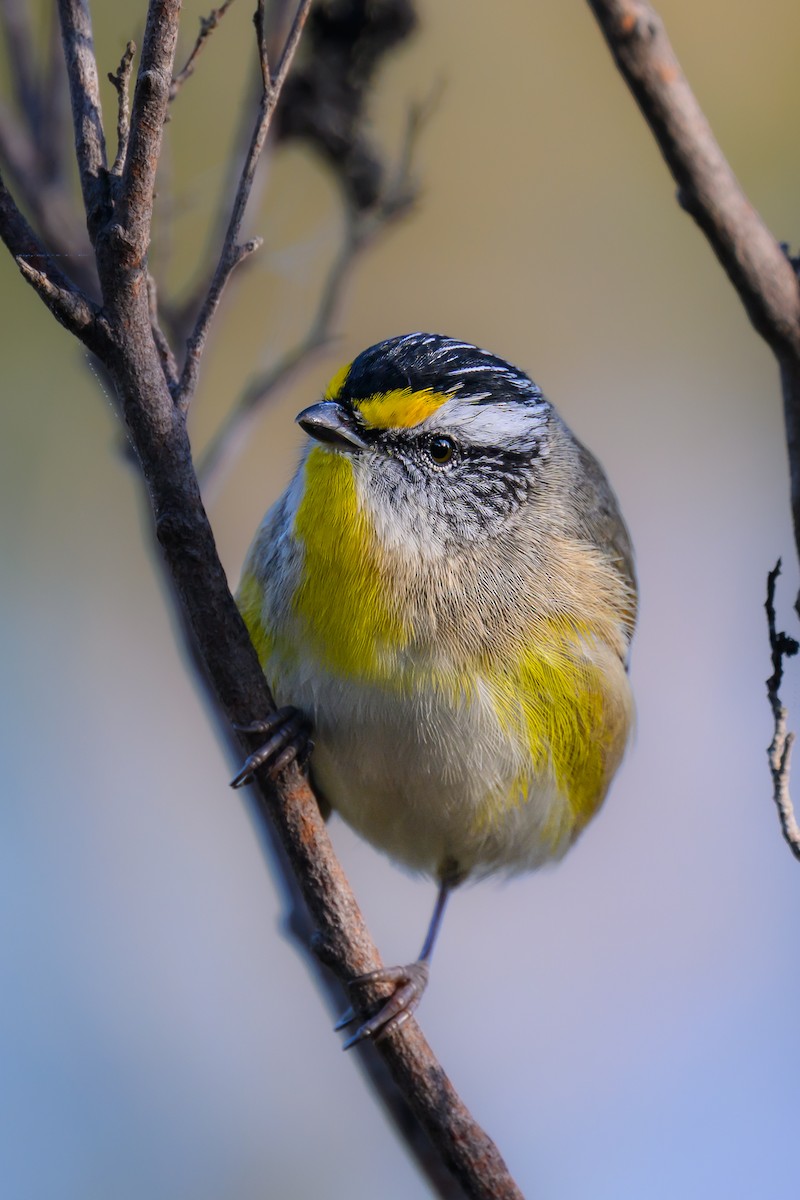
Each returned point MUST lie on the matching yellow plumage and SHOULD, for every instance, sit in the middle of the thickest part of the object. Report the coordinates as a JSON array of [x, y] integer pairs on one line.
[[354, 618], [446, 591]]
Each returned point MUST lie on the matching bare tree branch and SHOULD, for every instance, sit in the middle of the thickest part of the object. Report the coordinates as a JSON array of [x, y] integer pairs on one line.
[[120, 79], [790, 385], [780, 750], [125, 336], [757, 265], [150, 100], [74, 310], [754, 261], [708, 188], [66, 306], [84, 90], [46, 201], [362, 229], [232, 252], [207, 26], [168, 363], [259, 20], [33, 146]]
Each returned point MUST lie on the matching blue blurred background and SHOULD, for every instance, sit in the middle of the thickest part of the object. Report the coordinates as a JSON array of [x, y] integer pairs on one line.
[[625, 1024]]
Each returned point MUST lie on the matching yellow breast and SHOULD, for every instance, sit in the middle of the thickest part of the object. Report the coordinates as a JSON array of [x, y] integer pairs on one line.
[[346, 610], [559, 695]]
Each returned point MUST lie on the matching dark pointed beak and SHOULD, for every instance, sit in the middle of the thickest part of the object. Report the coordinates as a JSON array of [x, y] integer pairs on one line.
[[331, 422]]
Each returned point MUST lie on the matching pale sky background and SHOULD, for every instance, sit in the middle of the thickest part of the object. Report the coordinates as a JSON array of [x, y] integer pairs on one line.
[[624, 1025]]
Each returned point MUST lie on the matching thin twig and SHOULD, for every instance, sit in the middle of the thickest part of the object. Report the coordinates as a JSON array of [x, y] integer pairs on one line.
[[87, 119], [230, 433], [68, 307], [232, 252], [64, 299], [362, 230], [259, 21], [179, 317], [150, 100], [168, 363], [207, 26], [780, 749], [755, 262], [49, 203], [319, 333], [292, 41], [33, 147], [708, 188], [121, 79]]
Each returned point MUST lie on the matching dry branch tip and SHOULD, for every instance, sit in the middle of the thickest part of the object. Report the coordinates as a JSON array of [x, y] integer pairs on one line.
[[121, 82], [72, 309], [782, 646], [207, 26]]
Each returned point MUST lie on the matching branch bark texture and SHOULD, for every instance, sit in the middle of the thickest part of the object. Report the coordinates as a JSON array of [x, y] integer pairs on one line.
[[755, 262]]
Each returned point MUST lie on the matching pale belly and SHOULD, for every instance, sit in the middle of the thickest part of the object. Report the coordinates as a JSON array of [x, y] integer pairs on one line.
[[431, 780]]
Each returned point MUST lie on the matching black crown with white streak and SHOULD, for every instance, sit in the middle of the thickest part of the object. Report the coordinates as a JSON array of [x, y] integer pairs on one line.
[[429, 360]]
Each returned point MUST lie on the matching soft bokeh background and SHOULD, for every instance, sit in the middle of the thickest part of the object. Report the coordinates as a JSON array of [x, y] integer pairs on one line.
[[624, 1025]]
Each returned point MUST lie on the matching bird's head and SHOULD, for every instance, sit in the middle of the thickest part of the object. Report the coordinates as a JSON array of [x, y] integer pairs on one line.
[[446, 441]]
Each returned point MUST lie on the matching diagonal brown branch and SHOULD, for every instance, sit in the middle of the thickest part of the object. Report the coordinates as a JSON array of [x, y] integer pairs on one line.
[[209, 618], [757, 266], [708, 188], [755, 263], [66, 302]]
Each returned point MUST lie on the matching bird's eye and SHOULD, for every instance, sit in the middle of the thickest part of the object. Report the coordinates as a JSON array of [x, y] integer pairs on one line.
[[441, 450]]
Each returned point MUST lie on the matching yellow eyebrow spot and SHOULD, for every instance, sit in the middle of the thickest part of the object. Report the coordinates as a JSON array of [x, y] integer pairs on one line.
[[399, 409], [337, 382]]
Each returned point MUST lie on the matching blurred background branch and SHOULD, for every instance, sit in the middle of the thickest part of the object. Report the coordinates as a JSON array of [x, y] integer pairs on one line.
[[755, 262]]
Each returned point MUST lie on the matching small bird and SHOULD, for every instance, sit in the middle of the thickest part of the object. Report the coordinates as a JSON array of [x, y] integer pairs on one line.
[[445, 594]]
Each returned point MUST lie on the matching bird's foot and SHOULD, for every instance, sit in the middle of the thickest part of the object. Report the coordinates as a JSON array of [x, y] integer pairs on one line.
[[287, 731], [410, 982]]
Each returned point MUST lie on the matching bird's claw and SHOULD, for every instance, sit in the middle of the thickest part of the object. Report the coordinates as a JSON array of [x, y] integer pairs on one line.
[[288, 740], [410, 982]]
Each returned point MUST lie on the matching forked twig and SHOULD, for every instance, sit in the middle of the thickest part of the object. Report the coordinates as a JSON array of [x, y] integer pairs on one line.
[[362, 229], [234, 252], [780, 749], [207, 26]]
